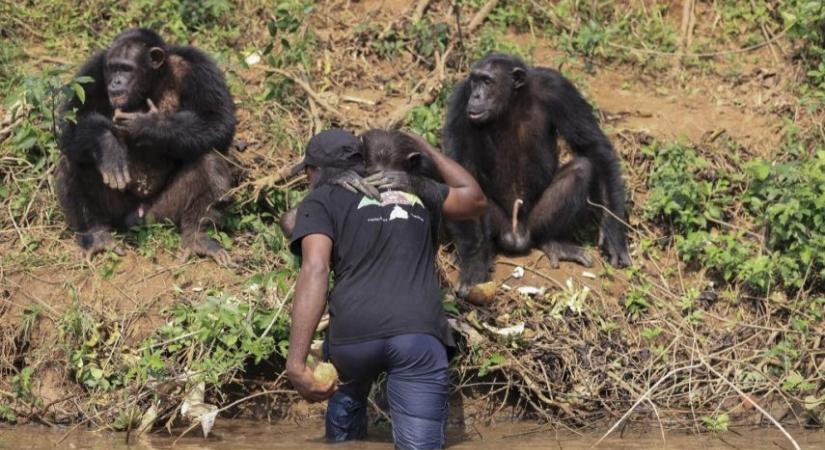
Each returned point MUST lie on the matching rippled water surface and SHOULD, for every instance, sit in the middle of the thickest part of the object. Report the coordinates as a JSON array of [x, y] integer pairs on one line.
[[241, 435]]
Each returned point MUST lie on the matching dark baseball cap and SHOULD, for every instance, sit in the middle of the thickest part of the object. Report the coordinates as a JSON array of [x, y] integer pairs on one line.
[[332, 148]]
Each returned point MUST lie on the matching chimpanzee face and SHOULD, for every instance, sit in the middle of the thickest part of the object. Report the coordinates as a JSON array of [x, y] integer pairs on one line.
[[492, 87], [391, 151], [130, 72]]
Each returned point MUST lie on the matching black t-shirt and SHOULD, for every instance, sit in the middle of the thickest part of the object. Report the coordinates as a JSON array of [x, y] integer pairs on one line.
[[383, 260]]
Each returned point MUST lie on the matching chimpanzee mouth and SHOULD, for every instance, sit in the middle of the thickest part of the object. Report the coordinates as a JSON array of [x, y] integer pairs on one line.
[[476, 116], [120, 101]]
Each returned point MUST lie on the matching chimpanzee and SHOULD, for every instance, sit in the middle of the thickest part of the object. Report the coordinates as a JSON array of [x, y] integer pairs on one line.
[[147, 143], [393, 161], [502, 125]]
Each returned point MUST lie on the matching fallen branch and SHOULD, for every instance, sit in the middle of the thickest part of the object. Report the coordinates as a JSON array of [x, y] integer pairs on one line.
[[704, 54], [755, 405], [419, 10], [434, 79], [236, 402], [686, 35], [643, 398], [6, 131], [310, 92], [481, 15]]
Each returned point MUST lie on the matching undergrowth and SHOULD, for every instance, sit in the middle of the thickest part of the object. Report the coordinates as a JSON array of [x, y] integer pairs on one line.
[[741, 221], [749, 232]]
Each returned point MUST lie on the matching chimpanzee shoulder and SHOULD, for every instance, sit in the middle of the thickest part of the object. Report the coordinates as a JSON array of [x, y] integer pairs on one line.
[[95, 97]]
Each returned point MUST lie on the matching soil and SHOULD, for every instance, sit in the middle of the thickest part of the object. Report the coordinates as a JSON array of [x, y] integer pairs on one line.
[[748, 108]]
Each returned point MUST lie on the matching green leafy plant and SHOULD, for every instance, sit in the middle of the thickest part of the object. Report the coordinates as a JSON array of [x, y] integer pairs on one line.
[[489, 363], [717, 424], [22, 386], [684, 188]]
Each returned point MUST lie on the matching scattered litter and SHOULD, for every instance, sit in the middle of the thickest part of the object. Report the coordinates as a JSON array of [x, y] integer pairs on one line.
[[194, 409], [323, 323], [518, 272], [515, 330], [252, 59], [148, 419], [473, 336], [530, 291], [506, 287], [316, 349], [590, 275]]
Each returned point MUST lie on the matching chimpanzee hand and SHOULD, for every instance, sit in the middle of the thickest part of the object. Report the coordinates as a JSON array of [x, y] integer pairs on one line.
[[425, 188], [353, 182], [130, 123], [113, 164], [391, 179]]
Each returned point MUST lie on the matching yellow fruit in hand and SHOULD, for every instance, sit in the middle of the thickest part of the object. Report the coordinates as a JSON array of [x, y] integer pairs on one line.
[[325, 373]]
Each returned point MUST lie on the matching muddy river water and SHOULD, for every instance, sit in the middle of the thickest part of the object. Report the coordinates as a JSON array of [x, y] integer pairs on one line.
[[242, 435]]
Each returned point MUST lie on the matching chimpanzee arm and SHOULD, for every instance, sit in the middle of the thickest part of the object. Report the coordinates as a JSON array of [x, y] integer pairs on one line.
[[205, 120], [83, 139], [573, 117], [431, 192]]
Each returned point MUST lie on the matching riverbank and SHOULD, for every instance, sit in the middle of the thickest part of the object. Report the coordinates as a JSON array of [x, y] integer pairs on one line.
[[715, 110]]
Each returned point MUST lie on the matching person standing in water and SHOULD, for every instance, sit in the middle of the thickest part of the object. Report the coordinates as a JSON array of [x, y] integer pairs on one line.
[[386, 312]]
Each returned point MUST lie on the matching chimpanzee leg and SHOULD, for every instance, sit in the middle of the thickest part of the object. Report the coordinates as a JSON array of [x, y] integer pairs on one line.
[[194, 200], [474, 245], [560, 209], [91, 208]]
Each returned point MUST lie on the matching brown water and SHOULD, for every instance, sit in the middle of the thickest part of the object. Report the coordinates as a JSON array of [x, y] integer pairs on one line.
[[242, 435]]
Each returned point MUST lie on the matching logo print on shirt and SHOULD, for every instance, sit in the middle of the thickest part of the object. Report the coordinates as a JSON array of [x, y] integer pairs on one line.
[[394, 199], [391, 198], [398, 213]]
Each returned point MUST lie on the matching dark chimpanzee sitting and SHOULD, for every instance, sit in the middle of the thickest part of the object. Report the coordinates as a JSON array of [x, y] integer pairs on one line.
[[502, 126], [393, 160], [144, 144]]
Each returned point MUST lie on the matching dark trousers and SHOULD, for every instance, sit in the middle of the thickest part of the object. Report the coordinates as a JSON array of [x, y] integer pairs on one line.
[[417, 386]]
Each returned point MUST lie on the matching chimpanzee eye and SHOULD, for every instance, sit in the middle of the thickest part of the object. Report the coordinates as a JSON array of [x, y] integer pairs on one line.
[[120, 68]]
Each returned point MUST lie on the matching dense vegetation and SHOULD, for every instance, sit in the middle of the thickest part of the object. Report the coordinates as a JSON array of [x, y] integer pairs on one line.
[[729, 243]]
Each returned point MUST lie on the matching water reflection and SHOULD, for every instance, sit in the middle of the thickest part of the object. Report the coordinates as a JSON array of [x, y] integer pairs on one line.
[[243, 435]]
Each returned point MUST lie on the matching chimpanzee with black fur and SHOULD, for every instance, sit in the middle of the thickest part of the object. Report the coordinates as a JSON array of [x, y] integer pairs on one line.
[[502, 125], [146, 143], [392, 160]]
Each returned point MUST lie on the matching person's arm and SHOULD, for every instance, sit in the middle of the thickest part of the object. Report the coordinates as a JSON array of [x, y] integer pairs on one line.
[[307, 308], [465, 199]]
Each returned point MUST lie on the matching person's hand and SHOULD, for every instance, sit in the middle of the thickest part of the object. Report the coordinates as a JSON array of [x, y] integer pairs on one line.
[[310, 389]]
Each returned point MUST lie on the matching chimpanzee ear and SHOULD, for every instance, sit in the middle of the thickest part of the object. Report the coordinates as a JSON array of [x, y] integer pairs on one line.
[[413, 160], [156, 57], [519, 77]]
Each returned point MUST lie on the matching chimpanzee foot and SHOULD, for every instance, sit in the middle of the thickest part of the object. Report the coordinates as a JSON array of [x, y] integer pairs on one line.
[[558, 251], [619, 258], [463, 289], [96, 241], [203, 245], [467, 281]]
